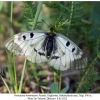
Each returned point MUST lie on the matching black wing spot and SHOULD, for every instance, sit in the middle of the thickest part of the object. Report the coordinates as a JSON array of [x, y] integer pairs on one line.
[[73, 49], [68, 43], [40, 53], [31, 35], [24, 37], [35, 50], [54, 57]]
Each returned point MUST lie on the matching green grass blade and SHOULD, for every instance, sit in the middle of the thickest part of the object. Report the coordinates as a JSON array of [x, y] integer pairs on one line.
[[35, 20], [5, 84], [37, 13], [22, 77], [11, 18]]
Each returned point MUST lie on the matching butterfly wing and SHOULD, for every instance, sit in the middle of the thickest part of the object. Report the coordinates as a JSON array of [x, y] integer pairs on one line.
[[28, 44], [68, 55]]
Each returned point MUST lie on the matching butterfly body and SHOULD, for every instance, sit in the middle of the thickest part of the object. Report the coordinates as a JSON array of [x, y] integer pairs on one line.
[[41, 46], [49, 47], [49, 44]]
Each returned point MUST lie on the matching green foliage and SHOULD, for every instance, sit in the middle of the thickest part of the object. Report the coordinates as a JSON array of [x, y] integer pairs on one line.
[[64, 90], [1, 4], [55, 70], [59, 23], [54, 88], [95, 28], [90, 78], [29, 10], [61, 14]]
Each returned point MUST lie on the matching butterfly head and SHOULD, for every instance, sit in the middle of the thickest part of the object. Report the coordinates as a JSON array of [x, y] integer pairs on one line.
[[51, 31]]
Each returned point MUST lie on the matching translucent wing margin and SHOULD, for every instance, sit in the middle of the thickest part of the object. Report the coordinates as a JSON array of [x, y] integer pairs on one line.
[[28, 44], [68, 55]]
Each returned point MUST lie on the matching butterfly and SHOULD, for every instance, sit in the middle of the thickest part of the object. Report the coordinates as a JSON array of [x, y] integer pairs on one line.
[[40, 46]]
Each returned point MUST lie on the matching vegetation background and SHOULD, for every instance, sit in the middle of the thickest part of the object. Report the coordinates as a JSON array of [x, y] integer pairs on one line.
[[79, 21]]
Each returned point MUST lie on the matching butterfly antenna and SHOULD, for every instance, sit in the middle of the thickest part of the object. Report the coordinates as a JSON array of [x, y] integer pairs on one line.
[[45, 23]]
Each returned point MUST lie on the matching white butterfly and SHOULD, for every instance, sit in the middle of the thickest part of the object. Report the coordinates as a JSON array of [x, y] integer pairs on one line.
[[40, 46]]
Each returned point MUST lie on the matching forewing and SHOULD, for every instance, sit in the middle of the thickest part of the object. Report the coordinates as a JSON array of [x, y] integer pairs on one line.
[[38, 54], [68, 55], [24, 44]]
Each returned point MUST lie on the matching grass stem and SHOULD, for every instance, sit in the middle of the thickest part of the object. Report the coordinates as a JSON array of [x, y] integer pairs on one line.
[[85, 75], [11, 18], [37, 13], [5, 84], [60, 80], [70, 18], [55, 77], [35, 21], [22, 77]]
